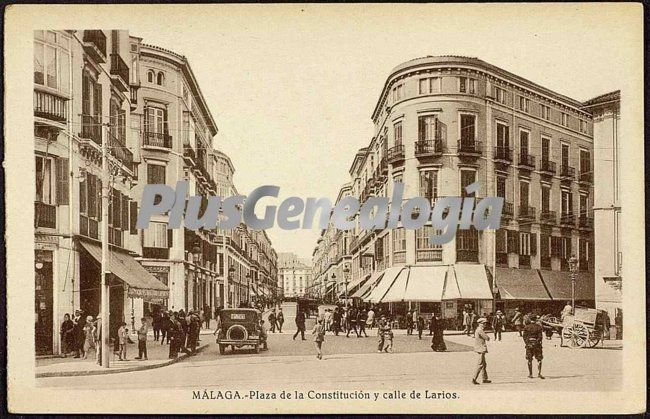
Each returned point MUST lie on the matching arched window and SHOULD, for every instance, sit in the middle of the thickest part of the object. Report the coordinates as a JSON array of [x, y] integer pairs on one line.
[[161, 79], [150, 76]]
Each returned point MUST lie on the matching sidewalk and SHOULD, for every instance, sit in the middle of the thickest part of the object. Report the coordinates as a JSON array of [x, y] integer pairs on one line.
[[158, 357]]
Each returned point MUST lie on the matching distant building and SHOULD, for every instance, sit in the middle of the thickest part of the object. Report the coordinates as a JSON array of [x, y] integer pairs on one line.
[[294, 275], [607, 209]]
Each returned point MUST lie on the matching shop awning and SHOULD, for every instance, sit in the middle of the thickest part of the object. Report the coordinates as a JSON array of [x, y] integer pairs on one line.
[[473, 282], [520, 284], [426, 283], [397, 290], [384, 284], [352, 286], [559, 285], [141, 283], [451, 290], [366, 287]]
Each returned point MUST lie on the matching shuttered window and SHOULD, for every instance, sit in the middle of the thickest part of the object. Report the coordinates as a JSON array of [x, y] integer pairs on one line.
[[62, 178]]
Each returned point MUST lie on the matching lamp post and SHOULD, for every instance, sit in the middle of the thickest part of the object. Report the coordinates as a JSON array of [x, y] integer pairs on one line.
[[231, 272], [333, 285], [573, 267], [346, 271], [248, 287]]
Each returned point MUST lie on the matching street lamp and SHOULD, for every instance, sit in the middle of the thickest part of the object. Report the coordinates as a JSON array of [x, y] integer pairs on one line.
[[333, 285], [248, 286], [573, 267], [346, 271]]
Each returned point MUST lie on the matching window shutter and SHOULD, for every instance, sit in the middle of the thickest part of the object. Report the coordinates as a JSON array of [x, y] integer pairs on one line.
[[125, 212], [98, 198], [62, 186], [533, 243], [98, 101], [165, 121], [85, 96], [133, 217], [441, 131], [170, 237]]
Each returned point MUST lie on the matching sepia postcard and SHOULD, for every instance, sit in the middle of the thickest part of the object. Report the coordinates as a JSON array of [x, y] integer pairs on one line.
[[319, 208]]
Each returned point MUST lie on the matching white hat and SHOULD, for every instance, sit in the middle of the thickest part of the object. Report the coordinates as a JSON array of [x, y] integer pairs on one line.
[[481, 320]]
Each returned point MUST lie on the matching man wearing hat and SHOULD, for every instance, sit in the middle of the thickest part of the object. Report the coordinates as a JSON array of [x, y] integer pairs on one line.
[[533, 340], [380, 333], [480, 347], [498, 322]]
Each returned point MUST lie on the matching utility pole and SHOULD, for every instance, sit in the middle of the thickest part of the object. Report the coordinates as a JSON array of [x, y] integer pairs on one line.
[[105, 293]]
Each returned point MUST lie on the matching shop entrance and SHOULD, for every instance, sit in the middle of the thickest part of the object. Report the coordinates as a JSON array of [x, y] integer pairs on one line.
[[44, 296]]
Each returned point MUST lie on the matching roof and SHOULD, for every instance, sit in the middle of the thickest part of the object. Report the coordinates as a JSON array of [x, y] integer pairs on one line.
[[457, 60], [614, 96]]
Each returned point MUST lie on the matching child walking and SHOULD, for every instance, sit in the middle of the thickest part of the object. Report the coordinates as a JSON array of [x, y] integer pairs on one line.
[[319, 331], [122, 336], [142, 339]]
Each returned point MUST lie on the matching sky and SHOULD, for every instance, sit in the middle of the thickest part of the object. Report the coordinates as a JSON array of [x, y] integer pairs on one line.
[[292, 88]]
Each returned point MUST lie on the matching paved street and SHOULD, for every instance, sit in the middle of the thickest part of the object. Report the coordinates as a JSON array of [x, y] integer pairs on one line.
[[351, 363]]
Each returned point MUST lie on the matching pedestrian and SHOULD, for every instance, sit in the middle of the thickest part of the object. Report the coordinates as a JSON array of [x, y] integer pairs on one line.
[[280, 319], [182, 332], [319, 338], [420, 323], [193, 330], [78, 332], [380, 333], [156, 324], [336, 321], [207, 313], [533, 341], [89, 336], [164, 327], [480, 347], [388, 336], [518, 320], [362, 318], [272, 320], [409, 322], [122, 336], [370, 321], [300, 325], [142, 340], [264, 336], [466, 322], [98, 340], [498, 324], [67, 336], [437, 341], [173, 334], [432, 322], [566, 311], [472, 321], [414, 317], [351, 324]]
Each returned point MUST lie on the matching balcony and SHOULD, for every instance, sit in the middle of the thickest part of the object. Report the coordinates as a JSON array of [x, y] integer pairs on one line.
[[121, 152], [469, 148], [44, 215], [157, 139], [120, 72], [567, 219], [50, 107], [383, 167], [91, 128], [189, 154], [395, 155], [508, 209], [95, 45], [548, 217], [503, 154], [527, 212], [526, 161], [585, 221], [134, 97], [155, 252], [428, 148], [88, 227], [586, 178], [547, 167], [567, 172]]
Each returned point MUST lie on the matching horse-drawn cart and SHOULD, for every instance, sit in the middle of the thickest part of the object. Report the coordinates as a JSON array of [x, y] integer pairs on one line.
[[583, 329]]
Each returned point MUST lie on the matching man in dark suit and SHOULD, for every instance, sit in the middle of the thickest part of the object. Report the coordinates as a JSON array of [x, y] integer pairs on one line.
[[300, 325]]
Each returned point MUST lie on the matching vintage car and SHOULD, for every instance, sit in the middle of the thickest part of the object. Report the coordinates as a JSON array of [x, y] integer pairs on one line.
[[239, 327]]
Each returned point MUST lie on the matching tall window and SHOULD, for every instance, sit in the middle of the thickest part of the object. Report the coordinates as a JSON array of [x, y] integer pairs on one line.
[[466, 85], [546, 198], [51, 61], [151, 75], [467, 177], [565, 155], [118, 122], [524, 194], [499, 95], [426, 251], [585, 162], [583, 126], [467, 128], [429, 184], [523, 142], [584, 205], [545, 112], [398, 92], [565, 119], [503, 135], [155, 120], [501, 187], [427, 128], [397, 130], [155, 235], [546, 149], [156, 174], [399, 240], [524, 104], [44, 180], [160, 79], [567, 203]]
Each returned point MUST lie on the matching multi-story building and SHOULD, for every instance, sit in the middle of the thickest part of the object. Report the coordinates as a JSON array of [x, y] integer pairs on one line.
[[607, 209], [81, 99], [443, 123], [94, 87], [294, 275]]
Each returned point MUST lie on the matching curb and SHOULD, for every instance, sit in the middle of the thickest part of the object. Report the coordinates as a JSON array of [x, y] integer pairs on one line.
[[118, 371]]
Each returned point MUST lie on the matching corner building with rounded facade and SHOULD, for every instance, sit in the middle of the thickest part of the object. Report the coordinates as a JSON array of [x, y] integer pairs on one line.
[[442, 123]]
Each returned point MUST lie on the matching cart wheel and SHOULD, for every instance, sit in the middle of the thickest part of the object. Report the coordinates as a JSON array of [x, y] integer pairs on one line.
[[222, 349], [594, 338], [576, 335]]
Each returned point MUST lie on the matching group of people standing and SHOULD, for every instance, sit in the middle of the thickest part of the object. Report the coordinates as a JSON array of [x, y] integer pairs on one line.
[[348, 319], [79, 334], [276, 320], [179, 330]]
